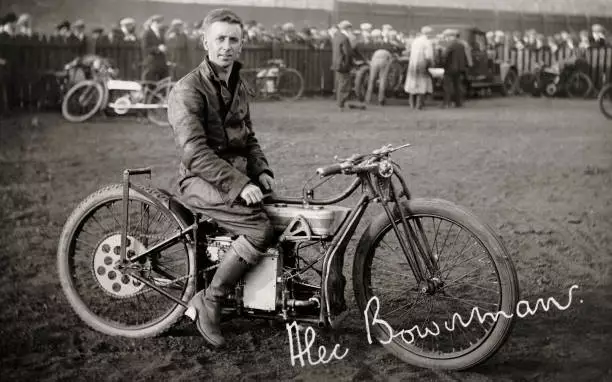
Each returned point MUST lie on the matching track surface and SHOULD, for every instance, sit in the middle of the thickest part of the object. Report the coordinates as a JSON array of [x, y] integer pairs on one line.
[[538, 171]]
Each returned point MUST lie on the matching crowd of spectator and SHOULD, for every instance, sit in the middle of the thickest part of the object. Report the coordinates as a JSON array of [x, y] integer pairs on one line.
[[128, 30], [177, 34]]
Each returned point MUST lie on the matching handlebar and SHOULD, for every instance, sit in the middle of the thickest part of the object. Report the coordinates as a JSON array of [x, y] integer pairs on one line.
[[359, 163], [330, 170]]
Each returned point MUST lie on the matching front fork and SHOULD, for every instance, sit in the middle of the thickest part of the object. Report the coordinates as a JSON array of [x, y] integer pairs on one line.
[[414, 243]]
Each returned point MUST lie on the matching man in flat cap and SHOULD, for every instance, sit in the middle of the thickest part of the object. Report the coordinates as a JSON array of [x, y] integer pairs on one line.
[[177, 42], [63, 31], [8, 24], [78, 30], [223, 169], [78, 37], [154, 49], [97, 34], [455, 66], [598, 36], [24, 25], [342, 63], [128, 29]]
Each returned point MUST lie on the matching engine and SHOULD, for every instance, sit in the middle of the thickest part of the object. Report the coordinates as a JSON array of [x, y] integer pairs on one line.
[[261, 286], [264, 287]]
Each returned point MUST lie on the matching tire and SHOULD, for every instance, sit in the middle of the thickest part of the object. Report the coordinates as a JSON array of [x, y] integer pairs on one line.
[[68, 245], [249, 79], [73, 92], [159, 116], [510, 84], [585, 88], [550, 90], [361, 82], [504, 271], [605, 97], [295, 83]]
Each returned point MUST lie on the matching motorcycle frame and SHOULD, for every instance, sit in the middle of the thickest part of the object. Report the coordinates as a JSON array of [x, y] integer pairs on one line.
[[421, 265], [147, 87]]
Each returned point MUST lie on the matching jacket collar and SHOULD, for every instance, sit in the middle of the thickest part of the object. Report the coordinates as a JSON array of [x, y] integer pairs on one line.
[[210, 72]]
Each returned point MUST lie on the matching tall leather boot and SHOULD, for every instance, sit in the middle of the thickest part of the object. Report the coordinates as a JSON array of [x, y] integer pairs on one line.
[[208, 303]]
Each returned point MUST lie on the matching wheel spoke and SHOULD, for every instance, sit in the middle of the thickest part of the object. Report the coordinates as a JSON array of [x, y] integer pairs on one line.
[[468, 270], [113, 296]]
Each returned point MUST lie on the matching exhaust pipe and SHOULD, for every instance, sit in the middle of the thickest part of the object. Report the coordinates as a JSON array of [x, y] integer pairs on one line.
[[313, 301]]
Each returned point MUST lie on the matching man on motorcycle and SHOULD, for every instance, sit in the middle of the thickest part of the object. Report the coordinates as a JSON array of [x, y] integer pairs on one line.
[[223, 169]]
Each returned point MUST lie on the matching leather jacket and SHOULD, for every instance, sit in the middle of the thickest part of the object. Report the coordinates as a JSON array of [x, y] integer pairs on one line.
[[211, 129]]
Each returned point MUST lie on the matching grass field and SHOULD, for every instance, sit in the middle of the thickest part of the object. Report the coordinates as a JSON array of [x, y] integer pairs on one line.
[[539, 171]]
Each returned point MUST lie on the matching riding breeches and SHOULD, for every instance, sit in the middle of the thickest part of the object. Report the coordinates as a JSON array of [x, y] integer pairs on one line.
[[249, 222]]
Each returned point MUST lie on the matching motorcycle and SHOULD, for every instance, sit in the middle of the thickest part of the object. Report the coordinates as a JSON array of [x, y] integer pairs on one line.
[[102, 90], [565, 77], [131, 256]]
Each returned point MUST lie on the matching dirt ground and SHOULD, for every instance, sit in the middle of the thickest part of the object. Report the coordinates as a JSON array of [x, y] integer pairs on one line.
[[538, 171]]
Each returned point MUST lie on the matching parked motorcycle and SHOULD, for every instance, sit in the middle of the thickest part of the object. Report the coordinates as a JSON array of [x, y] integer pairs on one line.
[[101, 90], [130, 257], [567, 77]]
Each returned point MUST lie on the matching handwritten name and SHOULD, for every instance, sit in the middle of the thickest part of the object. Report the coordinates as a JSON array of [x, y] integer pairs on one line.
[[303, 353], [475, 313]]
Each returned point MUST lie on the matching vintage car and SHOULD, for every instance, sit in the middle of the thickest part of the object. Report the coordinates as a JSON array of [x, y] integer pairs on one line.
[[486, 72]]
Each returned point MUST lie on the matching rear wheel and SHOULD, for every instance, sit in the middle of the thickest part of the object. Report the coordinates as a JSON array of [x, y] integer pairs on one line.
[[82, 101], [605, 101], [579, 85], [393, 76], [510, 85], [159, 97], [289, 84], [107, 297], [475, 273]]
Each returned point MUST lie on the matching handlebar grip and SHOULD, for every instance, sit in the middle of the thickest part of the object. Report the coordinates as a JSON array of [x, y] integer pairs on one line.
[[330, 170]]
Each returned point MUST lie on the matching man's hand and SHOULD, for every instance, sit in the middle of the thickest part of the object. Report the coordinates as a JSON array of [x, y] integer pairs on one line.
[[251, 194], [266, 181], [162, 48]]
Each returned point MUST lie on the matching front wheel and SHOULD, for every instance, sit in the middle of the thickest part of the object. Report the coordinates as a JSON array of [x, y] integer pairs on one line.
[[436, 323], [106, 295], [605, 101], [83, 100]]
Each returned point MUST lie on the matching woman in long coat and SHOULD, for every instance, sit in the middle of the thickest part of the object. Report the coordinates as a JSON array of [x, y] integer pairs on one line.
[[418, 80]]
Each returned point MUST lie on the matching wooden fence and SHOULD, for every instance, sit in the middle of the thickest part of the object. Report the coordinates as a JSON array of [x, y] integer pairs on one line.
[[26, 81]]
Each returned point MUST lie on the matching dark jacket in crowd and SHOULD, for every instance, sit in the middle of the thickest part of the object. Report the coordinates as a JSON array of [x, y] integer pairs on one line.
[[211, 126], [178, 52], [342, 53], [150, 49], [455, 58]]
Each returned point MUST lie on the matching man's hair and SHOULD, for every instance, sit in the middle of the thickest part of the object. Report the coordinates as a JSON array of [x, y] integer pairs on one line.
[[221, 14]]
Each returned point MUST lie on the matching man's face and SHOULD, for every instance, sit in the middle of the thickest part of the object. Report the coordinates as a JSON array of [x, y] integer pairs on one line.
[[223, 42]]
